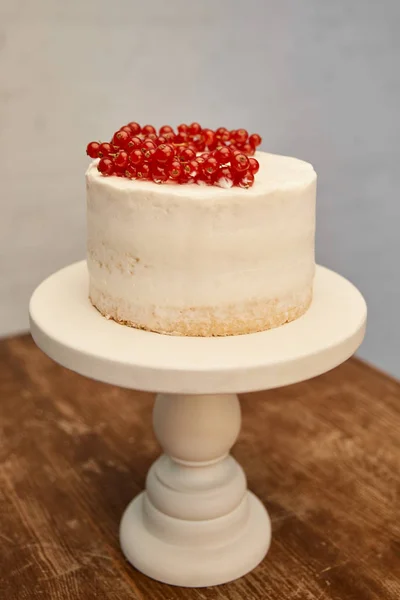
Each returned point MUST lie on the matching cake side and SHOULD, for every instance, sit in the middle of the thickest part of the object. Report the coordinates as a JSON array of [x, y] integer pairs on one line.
[[197, 260]]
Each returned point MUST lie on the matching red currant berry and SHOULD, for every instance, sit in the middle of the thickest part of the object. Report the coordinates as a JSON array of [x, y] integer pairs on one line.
[[120, 139], [135, 128], [191, 168], [241, 136], [180, 139], [148, 148], [239, 162], [143, 172], [130, 172], [204, 179], [106, 166], [224, 177], [169, 137], [204, 156], [160, 140], [248, 149], [232, 135], [183, 129], [222, 134], [105, 149], [184, 178], [233, 148], [135, 143], [175, 169], [208, 136], [151, 136], [92, 149], [210, 166], [199, 144], [245, 180], [186, 154], [166, 129], [158, 174], [121, 160], [222, 154], [254, 165], [164, 153], [147, 129], [194, 129], [255, 140], [136, 157], [127, 129]]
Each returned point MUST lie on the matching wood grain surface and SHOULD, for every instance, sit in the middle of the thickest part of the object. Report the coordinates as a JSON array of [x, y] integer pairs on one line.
[[323, 455]]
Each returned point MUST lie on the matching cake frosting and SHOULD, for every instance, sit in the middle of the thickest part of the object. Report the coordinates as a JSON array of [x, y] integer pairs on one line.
[[202, 260]]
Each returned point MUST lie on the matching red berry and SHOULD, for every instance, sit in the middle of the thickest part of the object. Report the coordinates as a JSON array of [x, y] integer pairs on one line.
[[164, 153], [136, 157], [161, 140], [143, 172], [148, 148], [222, 134], [186, 154], [210, 166], [241, 136], [248, 149], [106, 166], [121, 160], [181, 138], [130, 172], [166, 129], [194, 129], [224, 177], [254, 165], [191, 169], [175, 169], [127, 129], [92, 149], [134, 127], [205, 155], [120, 139], [255, 140], [158, 174], [169, 136], [233, 148], [240, 162], [183, 128], [232, 135], [135, 143], [105, 149], [147, 129], [199, 144], [208, 136], [245, 180], [222, 154]]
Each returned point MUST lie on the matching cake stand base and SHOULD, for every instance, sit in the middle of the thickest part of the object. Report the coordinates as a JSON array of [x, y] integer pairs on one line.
[[220, 559], [196, 524]]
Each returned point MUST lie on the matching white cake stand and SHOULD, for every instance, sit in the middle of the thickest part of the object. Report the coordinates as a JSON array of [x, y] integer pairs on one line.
[[196, 524]]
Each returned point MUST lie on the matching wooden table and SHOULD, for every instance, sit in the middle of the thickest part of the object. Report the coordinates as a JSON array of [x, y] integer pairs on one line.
[[323, 455]]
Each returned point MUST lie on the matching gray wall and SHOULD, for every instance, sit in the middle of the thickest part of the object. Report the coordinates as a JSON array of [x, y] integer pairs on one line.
[[318, 79]]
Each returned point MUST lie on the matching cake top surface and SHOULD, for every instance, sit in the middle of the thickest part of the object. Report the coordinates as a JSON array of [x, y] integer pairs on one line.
[[276, 172]]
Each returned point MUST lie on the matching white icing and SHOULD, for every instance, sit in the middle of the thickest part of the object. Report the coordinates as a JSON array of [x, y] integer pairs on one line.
[[188, 246]]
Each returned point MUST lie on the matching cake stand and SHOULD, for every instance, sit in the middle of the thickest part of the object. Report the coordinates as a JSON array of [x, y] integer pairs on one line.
[[196, 524]]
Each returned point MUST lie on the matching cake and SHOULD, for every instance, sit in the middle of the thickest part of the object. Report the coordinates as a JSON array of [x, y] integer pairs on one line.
[[203, 260]]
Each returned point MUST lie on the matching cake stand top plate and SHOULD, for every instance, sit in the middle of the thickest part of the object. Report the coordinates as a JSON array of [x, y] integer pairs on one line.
[[71, 331]]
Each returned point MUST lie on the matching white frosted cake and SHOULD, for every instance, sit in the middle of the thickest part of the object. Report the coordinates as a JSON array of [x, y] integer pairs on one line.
[[199, 260]]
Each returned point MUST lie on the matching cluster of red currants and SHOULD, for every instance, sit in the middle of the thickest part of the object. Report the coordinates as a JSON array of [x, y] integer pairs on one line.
[[190, 155]]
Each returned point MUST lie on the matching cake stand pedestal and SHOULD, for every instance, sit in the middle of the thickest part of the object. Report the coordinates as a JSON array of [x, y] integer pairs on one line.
[[196, 524]]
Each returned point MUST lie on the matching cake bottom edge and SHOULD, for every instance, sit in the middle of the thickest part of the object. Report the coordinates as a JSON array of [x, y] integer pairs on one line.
[[248, 317]]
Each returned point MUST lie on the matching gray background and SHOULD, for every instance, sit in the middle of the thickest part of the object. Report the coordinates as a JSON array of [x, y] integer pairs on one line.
[[318, 79]]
